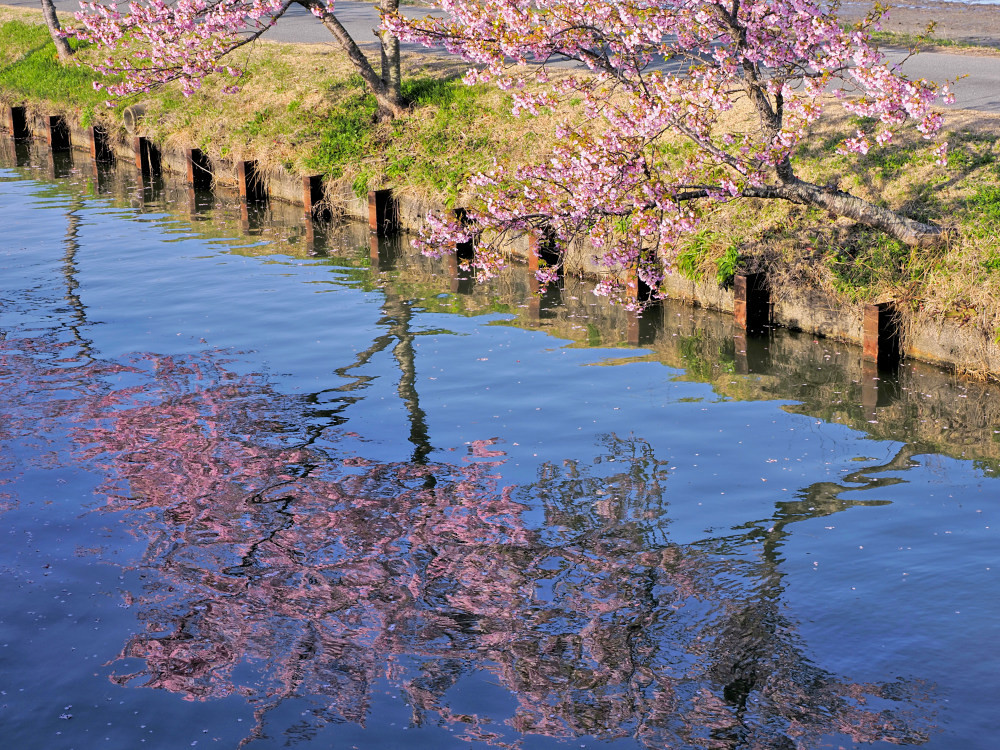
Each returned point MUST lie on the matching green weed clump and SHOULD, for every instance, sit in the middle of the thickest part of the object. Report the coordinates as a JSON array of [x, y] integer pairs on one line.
[[709, 253]]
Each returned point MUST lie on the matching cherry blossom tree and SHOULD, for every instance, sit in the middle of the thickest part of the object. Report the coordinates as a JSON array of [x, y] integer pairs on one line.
[[685, 104], [156, 42]]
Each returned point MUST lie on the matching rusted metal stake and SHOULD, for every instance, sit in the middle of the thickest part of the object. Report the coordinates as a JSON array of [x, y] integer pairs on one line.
[[100, 145], [147, 157], [751, 302], [533, 252], [199, 172], [18, 123], [382, 213], [312, 194], [250, 183], [880, 340], [57, 133]]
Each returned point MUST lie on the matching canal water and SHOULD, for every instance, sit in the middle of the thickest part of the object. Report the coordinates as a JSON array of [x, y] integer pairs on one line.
[[267, 485]]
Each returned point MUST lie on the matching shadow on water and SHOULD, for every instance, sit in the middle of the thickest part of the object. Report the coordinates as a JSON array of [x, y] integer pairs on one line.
[[281, 565]]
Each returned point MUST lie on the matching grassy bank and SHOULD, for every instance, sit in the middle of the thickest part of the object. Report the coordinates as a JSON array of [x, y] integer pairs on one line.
[[300, 107], [303, 109]]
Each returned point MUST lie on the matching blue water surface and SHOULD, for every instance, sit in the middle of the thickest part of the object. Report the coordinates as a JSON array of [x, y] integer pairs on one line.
[[253, 497]]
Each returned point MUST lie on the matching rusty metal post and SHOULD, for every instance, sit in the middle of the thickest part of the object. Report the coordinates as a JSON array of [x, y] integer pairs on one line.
[[880, 340], [147, 158], [383, 216], [251, 186], [244, 174], [632, 285], [18, 123], [50, 122], [312, 194], [250, 183], [541, 248], [57, 133], [141, 163], [100, 146], [199, 169], [190, 156], [751, 302], [534, 251]]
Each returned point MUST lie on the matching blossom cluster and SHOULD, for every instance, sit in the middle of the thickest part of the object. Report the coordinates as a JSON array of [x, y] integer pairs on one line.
[[155, 42]]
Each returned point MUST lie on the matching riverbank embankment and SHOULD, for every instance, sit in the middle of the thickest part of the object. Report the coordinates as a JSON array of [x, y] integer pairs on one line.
[[302, 116]]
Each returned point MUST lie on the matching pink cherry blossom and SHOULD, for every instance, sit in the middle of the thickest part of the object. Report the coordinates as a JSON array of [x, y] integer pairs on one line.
[[645, 73]]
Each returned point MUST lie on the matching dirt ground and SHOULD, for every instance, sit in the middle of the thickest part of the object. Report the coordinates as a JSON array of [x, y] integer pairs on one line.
[[963, 22]]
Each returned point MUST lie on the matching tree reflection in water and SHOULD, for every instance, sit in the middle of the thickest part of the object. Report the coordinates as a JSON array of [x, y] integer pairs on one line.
[[280, 566]]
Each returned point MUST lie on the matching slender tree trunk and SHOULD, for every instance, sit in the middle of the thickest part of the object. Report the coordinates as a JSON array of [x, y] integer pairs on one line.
[[908, 231], [385, 87], [391, 75], [790, 187], [52, 21], [837, 202]]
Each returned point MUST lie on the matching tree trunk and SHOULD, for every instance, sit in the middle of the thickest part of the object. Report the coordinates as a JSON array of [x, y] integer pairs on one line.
[[386, 92], [907, 231], [52, 21], [791, 188], [391, 75]]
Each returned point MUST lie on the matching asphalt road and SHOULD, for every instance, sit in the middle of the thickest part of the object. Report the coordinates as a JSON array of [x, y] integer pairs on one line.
[[980, 90]]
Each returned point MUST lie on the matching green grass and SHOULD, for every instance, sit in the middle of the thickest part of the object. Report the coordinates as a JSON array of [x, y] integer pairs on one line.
[[435, 149], [915, 41], [31, 69], [873, 263], [344, 135], [726, 266], [691, 256], [984, 203], [980, 220]]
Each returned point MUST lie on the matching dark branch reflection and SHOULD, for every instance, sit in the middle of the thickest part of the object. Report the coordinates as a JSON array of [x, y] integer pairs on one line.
[[278, 572], [280, 567]]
